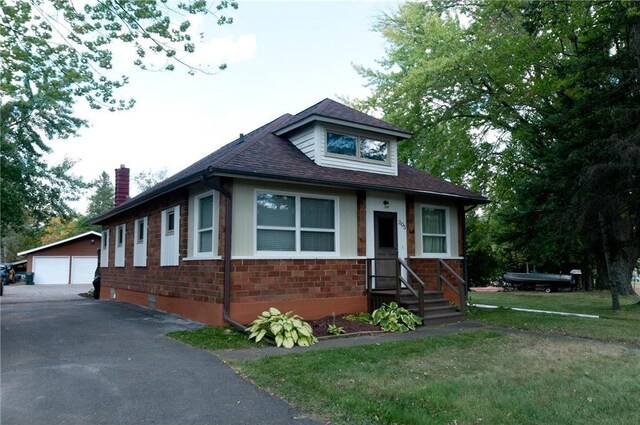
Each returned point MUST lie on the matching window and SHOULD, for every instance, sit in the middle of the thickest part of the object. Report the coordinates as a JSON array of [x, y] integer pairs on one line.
[[358, 147], [170, 237], [104, 252], [290, 223], [120, 245], [203, 236], [171, 222], [140, 244], [435, 234]]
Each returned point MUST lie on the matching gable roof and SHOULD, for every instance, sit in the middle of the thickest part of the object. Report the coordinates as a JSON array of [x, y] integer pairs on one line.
[[51, 245], [331, 111], [264, 154]]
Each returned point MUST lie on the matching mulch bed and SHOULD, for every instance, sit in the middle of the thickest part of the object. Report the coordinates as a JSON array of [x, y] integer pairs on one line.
[[320, 326]]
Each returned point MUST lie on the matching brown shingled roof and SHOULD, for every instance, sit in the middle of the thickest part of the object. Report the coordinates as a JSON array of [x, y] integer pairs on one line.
[[331, 109], [263, 154]]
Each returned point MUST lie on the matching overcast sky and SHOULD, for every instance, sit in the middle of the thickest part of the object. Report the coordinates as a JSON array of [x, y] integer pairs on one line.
[[282, 56]]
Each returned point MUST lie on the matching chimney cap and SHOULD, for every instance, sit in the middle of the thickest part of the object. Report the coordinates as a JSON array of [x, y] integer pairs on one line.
[[122, 166]]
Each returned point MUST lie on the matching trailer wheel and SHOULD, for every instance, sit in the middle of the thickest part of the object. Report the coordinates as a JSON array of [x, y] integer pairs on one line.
[[547, 289]]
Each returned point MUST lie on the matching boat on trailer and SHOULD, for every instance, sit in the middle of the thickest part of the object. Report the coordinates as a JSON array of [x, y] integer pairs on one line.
[[547, 282]]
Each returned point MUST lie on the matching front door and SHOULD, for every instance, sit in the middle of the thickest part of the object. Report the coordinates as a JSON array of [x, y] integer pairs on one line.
[[386, 248]]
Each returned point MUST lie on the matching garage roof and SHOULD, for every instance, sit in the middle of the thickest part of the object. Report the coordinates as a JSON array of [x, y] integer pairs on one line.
[[40, 248]]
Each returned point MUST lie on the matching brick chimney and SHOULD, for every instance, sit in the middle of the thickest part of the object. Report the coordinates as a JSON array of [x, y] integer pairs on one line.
[[122, 185]]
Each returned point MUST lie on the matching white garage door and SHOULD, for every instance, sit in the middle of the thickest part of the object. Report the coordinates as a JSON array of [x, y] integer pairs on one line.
[[83, 269], [51, 270]]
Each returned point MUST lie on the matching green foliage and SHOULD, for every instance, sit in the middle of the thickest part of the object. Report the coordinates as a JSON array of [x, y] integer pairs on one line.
[[54, 53], [393, 318], [537, 105], [146, 179], [285, 329], [102, 198], [359, 317], [333, 329], [213, 338]]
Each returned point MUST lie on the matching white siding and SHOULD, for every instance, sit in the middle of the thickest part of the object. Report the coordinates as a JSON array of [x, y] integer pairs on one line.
[[327, 160], [121, 241], [140, 243], [170, 240], [306, 142], [243, 243], [104, 250]]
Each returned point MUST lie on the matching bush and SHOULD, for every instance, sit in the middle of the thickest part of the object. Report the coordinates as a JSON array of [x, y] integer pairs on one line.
[[286, 329], [393, 318]]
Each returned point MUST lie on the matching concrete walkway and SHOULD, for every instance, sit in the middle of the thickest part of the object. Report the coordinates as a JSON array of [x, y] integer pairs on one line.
[[66, 359]]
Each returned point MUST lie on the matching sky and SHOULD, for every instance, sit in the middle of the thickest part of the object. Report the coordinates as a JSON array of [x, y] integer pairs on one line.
[[282, 57]]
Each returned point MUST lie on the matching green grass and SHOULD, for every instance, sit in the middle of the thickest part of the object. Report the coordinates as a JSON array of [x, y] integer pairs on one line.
[[214, 338], [598, 303], [622, 326], [469, 378]]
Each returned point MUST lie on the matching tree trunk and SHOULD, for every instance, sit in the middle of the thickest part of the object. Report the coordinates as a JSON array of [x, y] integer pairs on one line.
[[615, 298]]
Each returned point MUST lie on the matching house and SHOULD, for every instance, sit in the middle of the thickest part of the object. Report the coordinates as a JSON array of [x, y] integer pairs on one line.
[[70, 261], [310, 212]]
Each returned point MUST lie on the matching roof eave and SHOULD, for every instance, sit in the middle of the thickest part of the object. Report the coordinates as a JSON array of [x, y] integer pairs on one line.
[[466, 200], [51, 245], [146, 197], [315, 117]]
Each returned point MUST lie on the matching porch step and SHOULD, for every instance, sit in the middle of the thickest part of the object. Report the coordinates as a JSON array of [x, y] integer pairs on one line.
[[437, 309]]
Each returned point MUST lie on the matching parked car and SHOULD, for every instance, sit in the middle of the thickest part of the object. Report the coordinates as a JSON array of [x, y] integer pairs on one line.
[[7, 275]]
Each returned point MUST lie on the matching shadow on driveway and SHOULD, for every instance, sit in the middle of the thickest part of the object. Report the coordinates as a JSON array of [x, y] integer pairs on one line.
[[73, 360]]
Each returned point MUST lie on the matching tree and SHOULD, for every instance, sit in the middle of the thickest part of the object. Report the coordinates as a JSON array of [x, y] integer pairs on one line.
[[54, 53], [102, 199], [536, 104], [146, 179]]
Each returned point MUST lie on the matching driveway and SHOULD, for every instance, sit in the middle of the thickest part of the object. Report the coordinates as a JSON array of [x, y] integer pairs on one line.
[[73, 360]]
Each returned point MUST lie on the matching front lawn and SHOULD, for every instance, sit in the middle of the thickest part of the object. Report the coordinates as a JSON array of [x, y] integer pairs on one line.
[[468, 378], [622, 326], [214, 338]]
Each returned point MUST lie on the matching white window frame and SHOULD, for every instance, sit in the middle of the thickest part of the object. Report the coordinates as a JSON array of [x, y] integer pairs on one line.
[[140, 242], [170, 238], [195, 224], [104, 249], [447, 235], [121, 242], [359, 140], [298, 228]]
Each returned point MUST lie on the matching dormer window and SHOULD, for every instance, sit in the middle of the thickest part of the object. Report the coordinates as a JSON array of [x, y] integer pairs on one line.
[[357, 147]]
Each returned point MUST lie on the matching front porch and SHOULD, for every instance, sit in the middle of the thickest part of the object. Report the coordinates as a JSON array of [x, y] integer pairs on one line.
[[437, 293]]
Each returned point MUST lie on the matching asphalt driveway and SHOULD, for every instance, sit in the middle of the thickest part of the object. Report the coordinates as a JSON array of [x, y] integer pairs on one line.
[[72, 360]]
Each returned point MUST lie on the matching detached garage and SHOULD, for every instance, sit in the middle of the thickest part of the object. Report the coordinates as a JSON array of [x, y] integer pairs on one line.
[[73, 260]]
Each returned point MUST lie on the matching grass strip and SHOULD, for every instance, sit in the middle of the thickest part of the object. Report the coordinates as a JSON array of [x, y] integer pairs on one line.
[[214, 338], [468, 378]]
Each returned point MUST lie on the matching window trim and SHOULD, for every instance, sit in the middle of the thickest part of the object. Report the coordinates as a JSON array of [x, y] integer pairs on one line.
[[140, 242], [298, 226], [447, 234], [120, 259], [104, 251], [195, 231], [359, 139]]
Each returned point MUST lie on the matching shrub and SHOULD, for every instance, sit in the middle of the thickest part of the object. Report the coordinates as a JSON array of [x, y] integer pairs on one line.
[[359, 317], [335, 330], [286, 329], [393, 318]]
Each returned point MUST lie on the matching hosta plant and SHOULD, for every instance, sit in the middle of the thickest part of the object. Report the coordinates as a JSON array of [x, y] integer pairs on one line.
[[393, 318], [286, 329], [335, 329]]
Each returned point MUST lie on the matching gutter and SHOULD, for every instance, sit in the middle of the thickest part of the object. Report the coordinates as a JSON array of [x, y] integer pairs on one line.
[[226, 291]]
